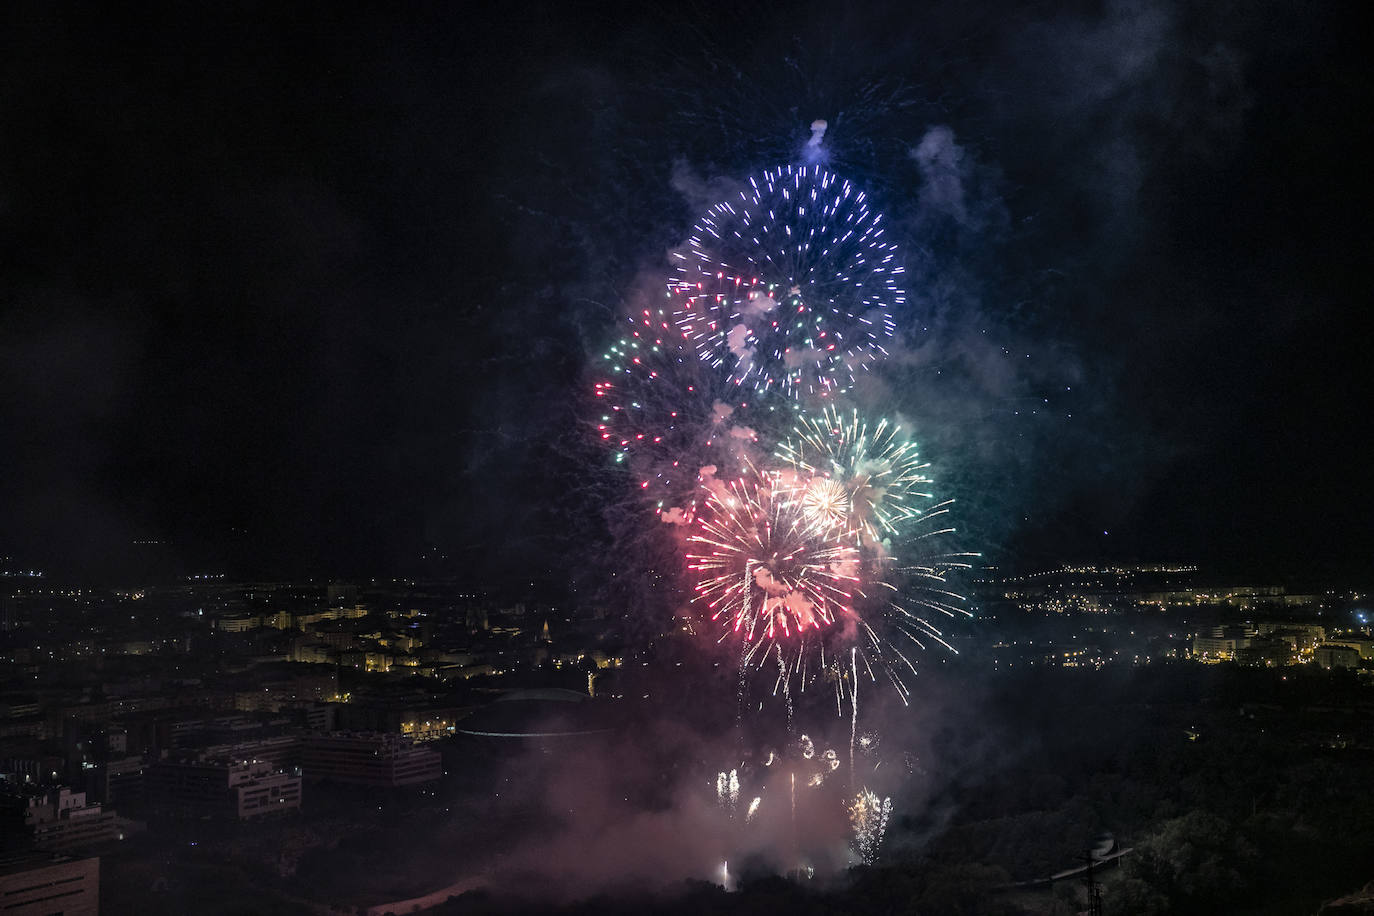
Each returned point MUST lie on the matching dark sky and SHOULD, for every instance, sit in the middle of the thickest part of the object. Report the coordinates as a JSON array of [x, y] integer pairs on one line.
[[298, 291]]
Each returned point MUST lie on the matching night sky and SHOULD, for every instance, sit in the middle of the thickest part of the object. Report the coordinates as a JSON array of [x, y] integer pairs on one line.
[[297, 292]]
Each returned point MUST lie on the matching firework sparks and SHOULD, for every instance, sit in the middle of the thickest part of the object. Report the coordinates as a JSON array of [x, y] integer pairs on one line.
[[867, 479], [805, 526], [868, 816], [767, 571], [790, 286], [788, 580], [727, 790], [825, 501], [661, 412]]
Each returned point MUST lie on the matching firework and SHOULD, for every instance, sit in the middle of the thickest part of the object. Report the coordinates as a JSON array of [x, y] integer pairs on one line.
[[790, 286], [810, 548], [868, 816], [789, 583], [655, 404], [869, 480], [766, 570], [727, 790], [827, 502], [664, 415], [806, 528], [651, 387]]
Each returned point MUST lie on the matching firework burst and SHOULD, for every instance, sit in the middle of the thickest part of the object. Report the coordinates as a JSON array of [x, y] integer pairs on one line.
[[790, 581], [767, 571], [664, 414], [824, 562], [869, 480], [790, 286], [808, 528], [660, 411]]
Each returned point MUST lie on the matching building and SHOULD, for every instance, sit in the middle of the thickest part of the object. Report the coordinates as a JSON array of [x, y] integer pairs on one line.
[[417, 720], [321, 717], [238, 623], [341, 593], [62, 821], [306, 622], [218, 787], [1219, 648], [41, 884], [1363, 645], [1266, 652], [23, 760], [283, 752], [311, 652], [370, 759], [1336, 656], [281, 620], [1303, 637], [119, 781]]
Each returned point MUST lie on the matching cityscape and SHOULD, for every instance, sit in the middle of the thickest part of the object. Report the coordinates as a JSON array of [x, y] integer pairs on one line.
[[205, 738], [593, 459]]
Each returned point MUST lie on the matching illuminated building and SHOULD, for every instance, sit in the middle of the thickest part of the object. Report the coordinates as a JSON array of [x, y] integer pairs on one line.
[[306, 622], [1301, 636], [424, 727], [41, 884], [1362, 645], [1336, 656], [238, 623], [1219, 648], [282, 620]]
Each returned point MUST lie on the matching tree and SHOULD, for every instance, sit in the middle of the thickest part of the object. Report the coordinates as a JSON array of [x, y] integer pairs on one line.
[[1192, 863]]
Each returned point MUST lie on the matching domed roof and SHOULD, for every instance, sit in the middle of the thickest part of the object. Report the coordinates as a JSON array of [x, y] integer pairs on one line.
[[543, 713], [551, 694]]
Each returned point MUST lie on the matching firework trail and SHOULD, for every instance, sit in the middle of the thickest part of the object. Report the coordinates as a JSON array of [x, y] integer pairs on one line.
[[790, 286], [853, 710]]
